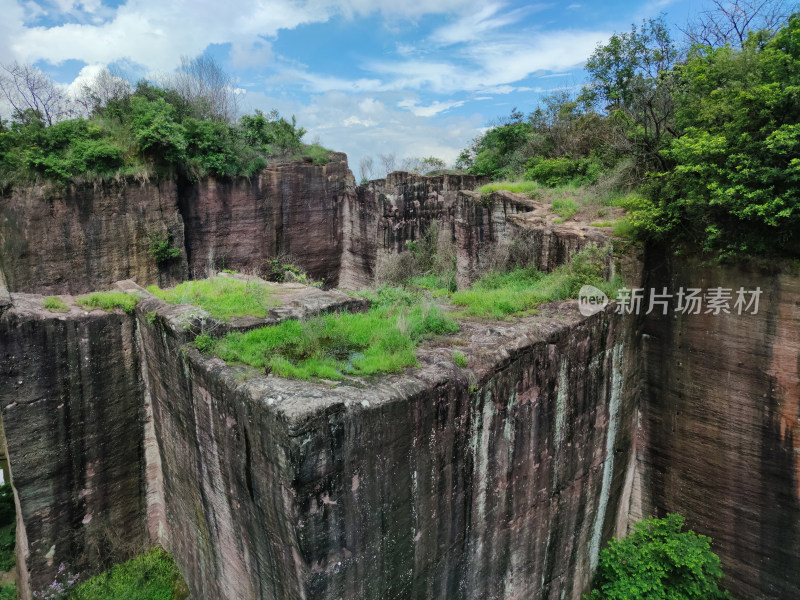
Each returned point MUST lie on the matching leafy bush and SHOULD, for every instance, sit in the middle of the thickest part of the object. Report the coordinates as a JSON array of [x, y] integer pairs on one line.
[[151, 576], [8, 591], [161, 247], [55, 304], [108, 301], [658, 561], [223, 297], [553, 172]]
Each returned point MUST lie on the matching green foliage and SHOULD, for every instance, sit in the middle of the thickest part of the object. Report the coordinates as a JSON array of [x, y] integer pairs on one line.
[[332, 346], [564, 207], [7, 528], [55, 304], [222, 297], [161, 247], [282, 271], [658, 561], [205, 343], [8, 591], [734, 189], [498, 295], [108, 301], [553, 172], [459, 359], [152, 131], [151, 576]]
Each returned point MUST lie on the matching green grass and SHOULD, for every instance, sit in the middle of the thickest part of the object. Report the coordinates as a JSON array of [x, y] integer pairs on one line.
[[222, 297], [108, 301], [564, 207], [151, 576], [8, 591], [459, 359], [624, 228], [331, 346], [55, 304], [531, 188], [441, 284], [8, 528], [602, 224], [499, 295]]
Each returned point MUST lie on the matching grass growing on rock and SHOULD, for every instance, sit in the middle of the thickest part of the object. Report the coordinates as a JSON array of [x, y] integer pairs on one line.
[[108, 301], [150, 576], [530, 188], [222, 297], [55, 304], [498, 295], [331, 346]]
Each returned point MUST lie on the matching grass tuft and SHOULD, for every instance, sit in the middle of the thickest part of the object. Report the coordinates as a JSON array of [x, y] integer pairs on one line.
[[108, 301], [459, 359], [222, 297], [55, 304], [564, 207]]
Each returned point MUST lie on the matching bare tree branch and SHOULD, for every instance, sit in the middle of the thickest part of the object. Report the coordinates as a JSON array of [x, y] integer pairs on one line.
[[27, 88], [731, 21]]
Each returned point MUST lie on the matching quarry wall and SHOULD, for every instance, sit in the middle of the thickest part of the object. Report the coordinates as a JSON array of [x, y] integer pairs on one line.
[[500, 480]]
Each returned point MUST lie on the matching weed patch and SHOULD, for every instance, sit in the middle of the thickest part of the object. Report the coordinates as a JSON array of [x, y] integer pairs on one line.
[[108, 301], [222, 297], [55, 304]]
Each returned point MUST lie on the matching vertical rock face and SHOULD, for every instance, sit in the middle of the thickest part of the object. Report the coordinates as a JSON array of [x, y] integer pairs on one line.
[[722, 423], [71, 400], [435, 483], [287, 210], [379, 218], [84, 238]]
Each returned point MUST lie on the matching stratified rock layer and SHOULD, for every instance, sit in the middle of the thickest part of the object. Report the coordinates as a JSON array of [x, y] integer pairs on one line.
[[71, 401], [722, 422]]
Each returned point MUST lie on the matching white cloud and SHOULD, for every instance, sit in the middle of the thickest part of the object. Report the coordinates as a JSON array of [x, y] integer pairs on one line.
[[476, 25], [430, 110]]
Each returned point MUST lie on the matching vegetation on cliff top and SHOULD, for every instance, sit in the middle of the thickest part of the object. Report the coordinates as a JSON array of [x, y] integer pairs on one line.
[[186, 126], [222, 297], [332, 346], [658, 561], [108, 301], [710, 137]]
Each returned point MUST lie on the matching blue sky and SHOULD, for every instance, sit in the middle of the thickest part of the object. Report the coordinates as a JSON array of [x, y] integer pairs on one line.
[[367, 77]]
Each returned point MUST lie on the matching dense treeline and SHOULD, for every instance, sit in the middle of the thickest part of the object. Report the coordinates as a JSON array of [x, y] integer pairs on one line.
[[186, 126], [710, 137]]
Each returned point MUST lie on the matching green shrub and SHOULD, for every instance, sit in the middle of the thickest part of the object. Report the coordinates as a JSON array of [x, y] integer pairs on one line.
[[205, 343], [8, 516], [658, 561], [222, 297], [554, 172], [151, 576], [459, 359], [55, 304], [331, 346], [108, 301], [161, 247], [8, 591]]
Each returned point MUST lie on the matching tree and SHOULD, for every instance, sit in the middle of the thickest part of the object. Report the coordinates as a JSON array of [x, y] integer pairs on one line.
[[735, 187], [103, 88], [423, 165], [658, 561], [389, 161], [366, 166], [204, 85], [26, 88], [730, 22], [631, 80]]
